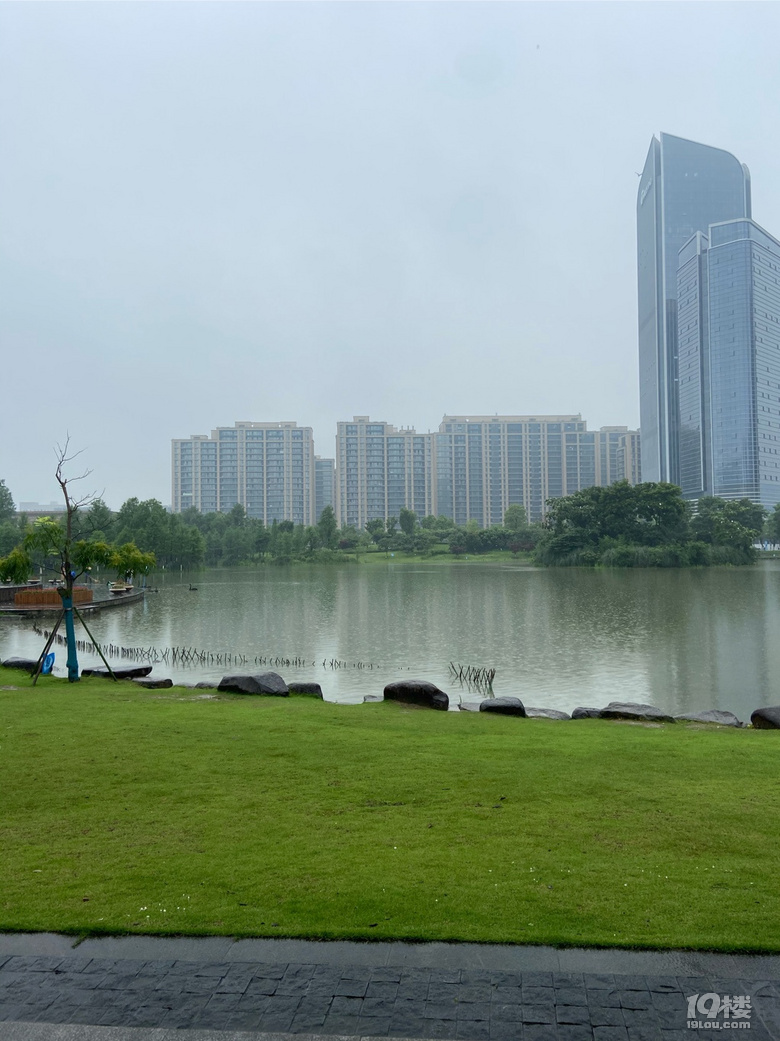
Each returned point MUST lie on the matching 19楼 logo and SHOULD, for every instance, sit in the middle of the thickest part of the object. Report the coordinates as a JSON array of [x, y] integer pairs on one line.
[[735, 1011]]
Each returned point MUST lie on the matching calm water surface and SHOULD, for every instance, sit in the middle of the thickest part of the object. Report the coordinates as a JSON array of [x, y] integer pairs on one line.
[[680, 640]]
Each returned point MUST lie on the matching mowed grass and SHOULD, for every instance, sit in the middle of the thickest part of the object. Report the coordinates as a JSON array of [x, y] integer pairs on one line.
[[123, 810]]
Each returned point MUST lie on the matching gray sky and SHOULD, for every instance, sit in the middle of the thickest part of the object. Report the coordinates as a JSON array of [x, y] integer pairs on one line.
[[213, 212]]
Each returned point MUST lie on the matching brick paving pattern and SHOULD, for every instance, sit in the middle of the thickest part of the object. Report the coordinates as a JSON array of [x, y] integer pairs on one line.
[[452, 1004]]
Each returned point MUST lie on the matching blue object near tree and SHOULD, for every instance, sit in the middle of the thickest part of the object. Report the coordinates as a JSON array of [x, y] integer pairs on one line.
[[48, 663]]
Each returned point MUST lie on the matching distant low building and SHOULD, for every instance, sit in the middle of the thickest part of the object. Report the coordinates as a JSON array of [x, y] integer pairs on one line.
[[40, 508]]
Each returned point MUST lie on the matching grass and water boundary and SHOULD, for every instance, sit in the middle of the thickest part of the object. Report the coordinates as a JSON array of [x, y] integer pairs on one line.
[[170, 812]]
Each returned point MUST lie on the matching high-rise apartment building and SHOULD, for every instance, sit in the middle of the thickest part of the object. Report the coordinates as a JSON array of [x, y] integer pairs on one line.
[[683, 189], [266, 467], [729, 363], [380, 470], [627, 458], [484, 464], [324, 485]]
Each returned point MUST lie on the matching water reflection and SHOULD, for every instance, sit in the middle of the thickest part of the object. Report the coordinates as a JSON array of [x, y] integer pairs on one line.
[[559, 638]]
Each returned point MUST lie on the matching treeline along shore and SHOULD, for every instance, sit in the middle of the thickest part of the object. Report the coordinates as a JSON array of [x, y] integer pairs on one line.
[[622, 525]]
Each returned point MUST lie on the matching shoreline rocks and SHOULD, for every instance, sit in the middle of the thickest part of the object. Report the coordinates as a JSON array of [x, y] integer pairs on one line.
[[130, 673], [20, 663], [632, 711], [766, 718], [503, 706], [270, 683], [546, 713], [712, 715], [417, 692], [309, 690]]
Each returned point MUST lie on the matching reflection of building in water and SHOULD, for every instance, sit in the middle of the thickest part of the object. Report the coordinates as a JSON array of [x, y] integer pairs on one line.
[[266, 467]]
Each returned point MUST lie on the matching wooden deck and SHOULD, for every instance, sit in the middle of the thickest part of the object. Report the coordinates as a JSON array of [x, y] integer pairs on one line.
[[119, 600]]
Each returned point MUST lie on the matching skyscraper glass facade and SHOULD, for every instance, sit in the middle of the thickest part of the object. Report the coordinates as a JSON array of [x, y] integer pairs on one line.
[[744, 334], [693, 367], [729, 336], [684, 188]]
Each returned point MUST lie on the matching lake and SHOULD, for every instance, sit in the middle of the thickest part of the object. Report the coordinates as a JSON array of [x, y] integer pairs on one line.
[[557, 638]]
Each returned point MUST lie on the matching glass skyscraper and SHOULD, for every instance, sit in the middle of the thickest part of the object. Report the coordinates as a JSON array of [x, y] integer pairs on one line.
[[684, 188], [729, 334]]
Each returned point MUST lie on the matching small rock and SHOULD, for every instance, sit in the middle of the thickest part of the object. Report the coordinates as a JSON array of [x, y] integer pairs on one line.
[[766, 718], [503, 706], [417, 692], [205, 686], [586, 713], [257, 683], [368, 698], [629, 710], [153, 684], [311, 690], [713, 715], [546, 713], [469, 706]]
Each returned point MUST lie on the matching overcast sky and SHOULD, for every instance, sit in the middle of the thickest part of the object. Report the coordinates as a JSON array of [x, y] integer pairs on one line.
[[213, 212]]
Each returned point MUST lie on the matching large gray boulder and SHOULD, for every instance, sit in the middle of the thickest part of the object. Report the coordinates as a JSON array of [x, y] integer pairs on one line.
[[417, 692], [766, 718], [586, 713], [712, 715], [639, 713], [153, 684], [503, 706], [131, 673], [310, 690], [546, 713], [20, 663], [255, 683]]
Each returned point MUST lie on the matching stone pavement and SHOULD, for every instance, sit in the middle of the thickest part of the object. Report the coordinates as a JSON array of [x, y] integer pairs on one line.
[[157, 989]]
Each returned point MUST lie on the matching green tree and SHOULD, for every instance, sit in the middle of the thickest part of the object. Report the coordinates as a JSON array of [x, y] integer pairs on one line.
[[15, 566], [349, 537], [722, 522], [128, 560], [328, 528], [99, 521], [7, 507], [9, 537], [376, 529], [773, 526], [407, 520], [515, 518]]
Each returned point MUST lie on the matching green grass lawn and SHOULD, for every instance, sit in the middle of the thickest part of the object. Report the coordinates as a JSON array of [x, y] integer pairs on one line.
[[124, 810]]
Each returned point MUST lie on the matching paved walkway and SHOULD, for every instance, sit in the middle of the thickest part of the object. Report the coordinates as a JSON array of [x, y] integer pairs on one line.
[[215, 989]]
